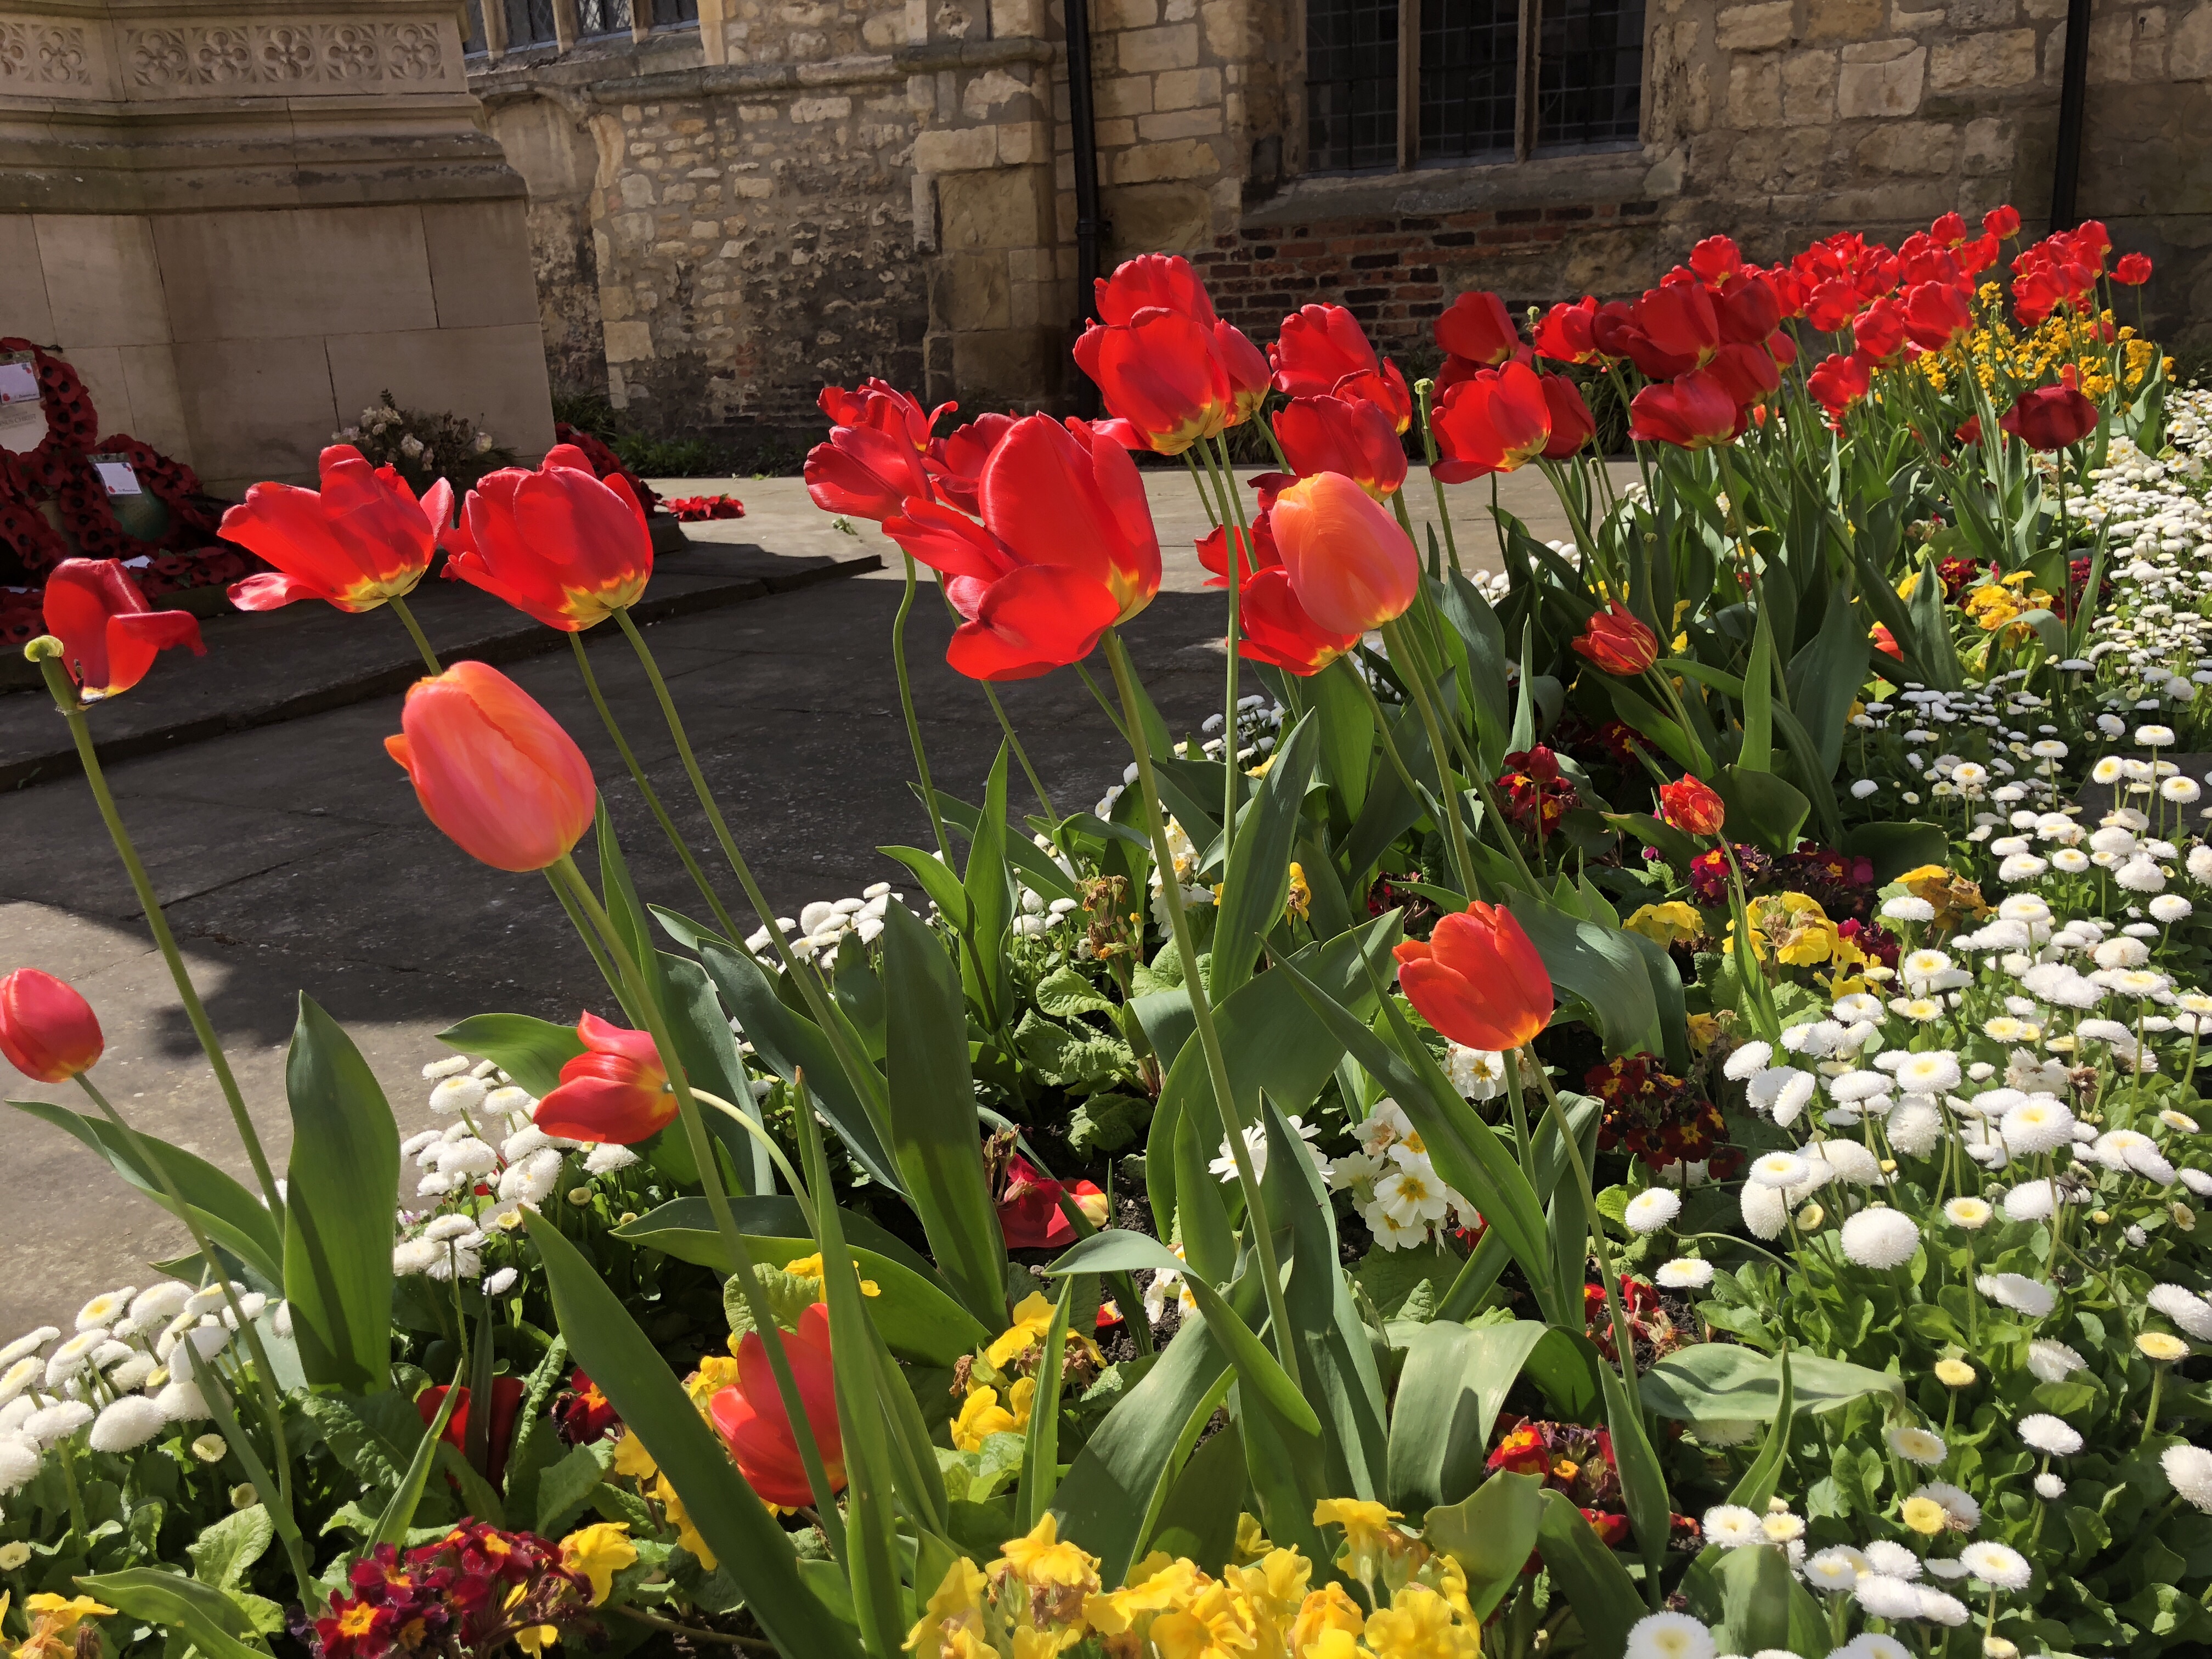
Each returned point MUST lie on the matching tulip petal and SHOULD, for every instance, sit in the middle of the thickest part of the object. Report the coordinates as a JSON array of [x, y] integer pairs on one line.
[[597, 1109], [1034, 620]]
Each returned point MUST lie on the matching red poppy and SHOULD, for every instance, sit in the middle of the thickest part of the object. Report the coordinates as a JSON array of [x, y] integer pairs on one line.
[[1342, 434], [1840, 381], [1617, 640], [2050, 417], [47, 1030], [1160, 378], [955, 462], [1066, 549], [616, 1091], [1564, 335], [752, 1422], [1494, 423], [882, 406], [864, 473], [1572, 424], [561, 543], [1273, 628], [1030, 1216], [2002, 223], [2132, 270], [1692, 808], [1478, 979], [1937, 315], [506, 1394], [1477, 327], [362, 539], [109, 634], [1694, 412]]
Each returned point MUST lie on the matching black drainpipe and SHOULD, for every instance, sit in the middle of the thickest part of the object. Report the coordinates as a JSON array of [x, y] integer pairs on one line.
[[2073, 96], [1086, 186]]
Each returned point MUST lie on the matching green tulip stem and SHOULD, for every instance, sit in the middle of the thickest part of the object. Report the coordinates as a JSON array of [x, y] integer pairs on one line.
[[906, 708], [743, 1121], [1408, 659], [1237, 542], [2150, 1412], [1021, 754], [718, 1199], [1424, 393], [414, 633], [64, 695], [645, 788], [1201, 1009], [287, 1529]]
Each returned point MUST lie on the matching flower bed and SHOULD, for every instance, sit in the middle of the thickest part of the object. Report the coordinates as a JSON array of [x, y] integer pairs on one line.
[[1641, 1105]]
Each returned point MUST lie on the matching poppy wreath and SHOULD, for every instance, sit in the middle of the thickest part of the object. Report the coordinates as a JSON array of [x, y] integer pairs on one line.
[[90, 516], [35, 544], [605, 463], [72, 424]]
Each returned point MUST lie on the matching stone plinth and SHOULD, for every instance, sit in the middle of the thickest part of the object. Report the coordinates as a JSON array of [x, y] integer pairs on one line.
[[242, 220]]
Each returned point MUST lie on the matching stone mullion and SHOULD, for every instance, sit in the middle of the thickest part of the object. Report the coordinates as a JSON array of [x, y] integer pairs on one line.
[[565, 27]]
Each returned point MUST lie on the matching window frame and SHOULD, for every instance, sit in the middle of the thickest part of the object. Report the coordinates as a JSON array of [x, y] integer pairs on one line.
[[1526, 110]]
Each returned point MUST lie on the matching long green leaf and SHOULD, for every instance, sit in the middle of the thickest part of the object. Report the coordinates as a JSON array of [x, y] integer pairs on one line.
[[1035, 867], [1260, 867], [1598, 964], [934, 1134], [1490, 1534], [1347, 740], [989, 886], [235, 1219], [1757, 754], [215, 1623], [343, 1189], [754, 1553], [1041, 1456], [1450, 1390], [1595, 1582], [530, 1051], [399, 1514]]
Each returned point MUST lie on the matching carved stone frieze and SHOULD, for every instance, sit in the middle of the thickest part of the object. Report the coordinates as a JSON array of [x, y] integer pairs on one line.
[[248, 58], [39, 54]]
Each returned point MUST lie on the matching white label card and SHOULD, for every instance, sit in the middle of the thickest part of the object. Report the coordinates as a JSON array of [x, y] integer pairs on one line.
[[118, 478], [19, 382]]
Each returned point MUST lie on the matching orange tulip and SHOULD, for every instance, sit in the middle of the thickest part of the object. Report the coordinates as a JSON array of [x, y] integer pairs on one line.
[[1349, 563], [362, 539], [1692, 808], [1617, 640], [1478, 979], [493, 771], [561, 544], [615, 1091], [47, 1030], [109, 634]]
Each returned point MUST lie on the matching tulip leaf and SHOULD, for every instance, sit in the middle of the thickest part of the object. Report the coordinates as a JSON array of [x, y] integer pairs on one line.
[[1757, 752], [1034, 865], [752, 1550], [934, 1133], [1347, 737], [1762, 807], [1453, 1385], [1597, 964], [1826, 676], [399, 1513], [342, 1188], [1595, 1582], [212, 1619], [708, 1052], [990, 890], [530, 1051], [1259, 880], [1490, 1533], [1199, 1519], [936, 878], [1041, 1453], [235, 1221]]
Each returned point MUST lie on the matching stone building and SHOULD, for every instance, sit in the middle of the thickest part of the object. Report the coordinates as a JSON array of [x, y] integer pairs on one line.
[[734, 201], [242, 219]]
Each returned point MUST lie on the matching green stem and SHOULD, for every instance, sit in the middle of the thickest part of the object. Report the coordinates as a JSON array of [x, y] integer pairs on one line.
[[1021, 754], [2150, 1412], [1239, 548], [743, 1121], [718, 1199], [1209, 1039], [1423, 392], [906, 708], [652, 796], [64, 695], [414, 633]]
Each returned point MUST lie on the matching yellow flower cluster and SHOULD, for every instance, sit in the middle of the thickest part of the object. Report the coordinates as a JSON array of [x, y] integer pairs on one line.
[[1999, 605], [1800, 935], [53, 1624], [1043, 1597], [1998, 353]]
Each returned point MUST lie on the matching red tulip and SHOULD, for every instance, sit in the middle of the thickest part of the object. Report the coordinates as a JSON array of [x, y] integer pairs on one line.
[[1831, 306], [1746, 372], [1259, 552], [883, 407], [1977, 256], [493, 770], [1970, 430], [1747, 309], [561, 544], [1160, 379], [2091, 242], [1937, 315], [2050, 417], [1478, 327], [1694, 412], [1249, 380], [1351, 566], [955, 462], [2002, 223], [1716, 259], [1692, 808], [1564, 335], [615, 1091], [1341, 435], [1066, 549], [1495, 422], [1948, 230], [1478, 979], [1572, 424], [1680, 320], [2132, 270], [1162, 282], [362, 539], [109, 634], [1320, 345], [1273, 628], [1886, 643], [751, 1420], [1840, 381], [865, 473], [1879, 330], [1616, 639], [48, 1032], [507, 1392], [1030, 1216]]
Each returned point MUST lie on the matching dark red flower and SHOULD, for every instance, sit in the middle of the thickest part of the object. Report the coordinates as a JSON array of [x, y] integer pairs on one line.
[[1030, 1215], [505, 1405], [2132, 270]]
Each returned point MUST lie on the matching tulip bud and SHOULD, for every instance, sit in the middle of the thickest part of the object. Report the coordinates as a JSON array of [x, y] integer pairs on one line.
[[1692, 808], [47, 1030], [493, 770], [1351, 566]]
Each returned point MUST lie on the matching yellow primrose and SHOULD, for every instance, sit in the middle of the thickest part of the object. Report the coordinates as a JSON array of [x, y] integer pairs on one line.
[[716, 1372], [598, 1553], [680, 1518], [1418, 1623], [1155, 1584], [1671, 923], [1252, 1542], [1705, 1031], [810, 1266], [1213, 1625], [1925, 1516], [1032, 1319], [1330, 1608], [1041, 1559], [954, 1607], [66, 1615], [980, 1417], [1275, 1584], [1300, 905], [1369, 1537], [532, 1639]]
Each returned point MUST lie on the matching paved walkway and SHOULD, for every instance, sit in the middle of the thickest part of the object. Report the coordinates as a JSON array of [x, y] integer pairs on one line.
[[293, 856]]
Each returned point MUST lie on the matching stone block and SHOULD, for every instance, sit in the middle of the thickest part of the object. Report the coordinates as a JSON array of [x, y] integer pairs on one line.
[[2130, 46], [103, 280], [1880, 78], [1754, 94], [1187, 89], [1114, 15], [2190, 55], [1183, 158], [1982, 62], [1180, 124], [1981, 13], [1843, 19], [157, 402], [1124, 95], [264, 408], [496, 375], [1808, 87], [1986, 146], [1021, 142], [1006, 207], [1116, 135], [1174, 218], [1908, 147], [284, 274], [978, 293], [961, 149], [1014, 19], [1228, 28], [995, 91], [1005, 365], [629, 342], [480, 263], [1755, 27], [22, 280], [1170, 46], [635, 190], [805, 110]]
